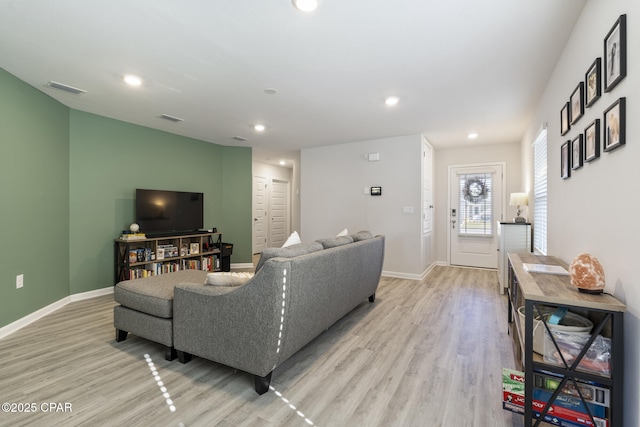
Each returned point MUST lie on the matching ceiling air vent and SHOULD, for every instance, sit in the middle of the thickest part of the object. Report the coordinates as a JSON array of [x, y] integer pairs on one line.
[[171, 118], [66, 88], [239, 138]]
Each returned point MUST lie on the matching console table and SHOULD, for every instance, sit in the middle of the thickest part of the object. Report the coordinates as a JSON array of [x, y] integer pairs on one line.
[[542, 291]]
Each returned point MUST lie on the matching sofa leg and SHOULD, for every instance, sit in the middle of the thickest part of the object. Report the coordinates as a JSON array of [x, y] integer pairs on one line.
[[372, 297], [184, 357], [262, 383], [170, 353], [121, 335]]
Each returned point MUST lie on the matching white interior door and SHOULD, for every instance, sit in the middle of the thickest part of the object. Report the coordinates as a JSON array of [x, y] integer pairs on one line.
[[475, 206], [259, 213], [279, 206]]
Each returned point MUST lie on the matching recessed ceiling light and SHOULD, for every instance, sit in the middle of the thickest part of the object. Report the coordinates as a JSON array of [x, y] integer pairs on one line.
[[391, 100], [472, 135], [305, 5], [270, 91], [282, 163], [132, 80], [259, 127]]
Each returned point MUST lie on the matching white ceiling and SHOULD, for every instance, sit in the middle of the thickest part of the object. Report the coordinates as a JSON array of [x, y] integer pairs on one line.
[[458, 66]]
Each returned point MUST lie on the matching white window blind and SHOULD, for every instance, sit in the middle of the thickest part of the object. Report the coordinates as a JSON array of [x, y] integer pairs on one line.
[[475, 204], [540, 193]]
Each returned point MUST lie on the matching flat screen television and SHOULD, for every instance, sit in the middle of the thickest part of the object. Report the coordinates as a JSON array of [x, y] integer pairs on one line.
[[166, 212]]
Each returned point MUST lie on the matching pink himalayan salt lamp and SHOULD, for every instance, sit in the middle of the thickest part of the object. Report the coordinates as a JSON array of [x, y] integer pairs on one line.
[[587, 274]]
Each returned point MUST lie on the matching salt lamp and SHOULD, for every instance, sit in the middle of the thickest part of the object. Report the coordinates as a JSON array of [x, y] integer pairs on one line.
[[587, 274]]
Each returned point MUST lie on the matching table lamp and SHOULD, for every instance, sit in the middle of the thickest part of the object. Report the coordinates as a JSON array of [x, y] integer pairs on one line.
[[519, 200]]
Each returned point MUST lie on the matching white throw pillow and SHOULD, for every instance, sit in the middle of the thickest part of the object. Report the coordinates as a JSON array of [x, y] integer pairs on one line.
[[293, 239], [344, 232], [228, 279]]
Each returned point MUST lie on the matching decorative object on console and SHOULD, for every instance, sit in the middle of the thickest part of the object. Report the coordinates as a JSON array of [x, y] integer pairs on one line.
[[134, 228], [587, 274], [519, 200]]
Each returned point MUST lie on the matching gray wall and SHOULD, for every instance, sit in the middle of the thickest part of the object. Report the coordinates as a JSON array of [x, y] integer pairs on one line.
[[332, 196], [596, 210]]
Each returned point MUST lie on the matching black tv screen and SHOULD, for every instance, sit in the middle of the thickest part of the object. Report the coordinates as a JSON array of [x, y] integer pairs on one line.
[[159, 211]]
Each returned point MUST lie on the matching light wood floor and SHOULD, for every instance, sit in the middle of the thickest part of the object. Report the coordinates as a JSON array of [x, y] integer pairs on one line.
[[424, 354]]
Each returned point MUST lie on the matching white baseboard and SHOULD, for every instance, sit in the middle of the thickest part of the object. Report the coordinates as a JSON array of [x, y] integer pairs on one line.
[[44, 311], [400, 275]]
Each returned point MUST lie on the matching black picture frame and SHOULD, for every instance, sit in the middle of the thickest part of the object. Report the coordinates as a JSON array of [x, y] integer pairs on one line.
[[593, 83], [592, 141], [614, 125], [576, 152], [565, 119], [577, 103], [565, 160], [615, 54]]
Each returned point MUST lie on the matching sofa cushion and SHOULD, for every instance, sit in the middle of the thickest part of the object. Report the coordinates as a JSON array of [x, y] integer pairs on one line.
[[332, 242], [288, 252], [228, 279], [362, 235], [344, 232], [154, 295]]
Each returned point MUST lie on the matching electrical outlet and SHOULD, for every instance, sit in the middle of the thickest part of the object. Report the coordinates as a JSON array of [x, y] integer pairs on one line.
[[19, 281]]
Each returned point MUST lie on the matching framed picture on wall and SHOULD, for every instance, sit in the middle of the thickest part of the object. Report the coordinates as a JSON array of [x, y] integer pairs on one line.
[[565, 160], [564, 119], [576, 153], [615, 54], [577, 103], [592, 141], [614, 125], [592, 81]]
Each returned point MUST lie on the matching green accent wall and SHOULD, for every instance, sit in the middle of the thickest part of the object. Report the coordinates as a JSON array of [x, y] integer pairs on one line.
[[34, 190], [68, 181]]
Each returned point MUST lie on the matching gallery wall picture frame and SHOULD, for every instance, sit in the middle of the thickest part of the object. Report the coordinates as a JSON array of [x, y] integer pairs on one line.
[[593, 83], [565, 160], [565, 119], [592, 141], [577, 103], [614, 125], [576, 152], [615, 54]]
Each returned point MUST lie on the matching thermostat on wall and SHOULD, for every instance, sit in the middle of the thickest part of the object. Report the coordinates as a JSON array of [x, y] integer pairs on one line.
[[376, 191]]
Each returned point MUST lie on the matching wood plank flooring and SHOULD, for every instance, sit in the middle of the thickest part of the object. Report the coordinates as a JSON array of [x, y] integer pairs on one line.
[[425, 353]]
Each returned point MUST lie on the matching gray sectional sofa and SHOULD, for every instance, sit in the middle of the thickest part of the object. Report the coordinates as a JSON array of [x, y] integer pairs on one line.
[[296, 293]]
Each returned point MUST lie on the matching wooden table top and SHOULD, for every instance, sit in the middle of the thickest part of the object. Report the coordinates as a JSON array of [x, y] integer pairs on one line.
[[557, 289]]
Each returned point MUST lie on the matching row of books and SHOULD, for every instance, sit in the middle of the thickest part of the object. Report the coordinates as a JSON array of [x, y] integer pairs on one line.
[[211, 263]]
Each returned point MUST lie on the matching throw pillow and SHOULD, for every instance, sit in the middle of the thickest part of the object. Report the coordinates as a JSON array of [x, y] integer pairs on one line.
[[228, 279], [293, 239], [344, 232]]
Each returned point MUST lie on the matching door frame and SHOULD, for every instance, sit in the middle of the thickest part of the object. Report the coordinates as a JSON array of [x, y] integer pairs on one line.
[[503, 197]]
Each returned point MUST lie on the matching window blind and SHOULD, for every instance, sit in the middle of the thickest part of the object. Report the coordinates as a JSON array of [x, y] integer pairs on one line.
[[540, 192]]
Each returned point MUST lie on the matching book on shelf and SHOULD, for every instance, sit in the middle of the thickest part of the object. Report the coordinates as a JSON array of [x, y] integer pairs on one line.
[[133, 236]]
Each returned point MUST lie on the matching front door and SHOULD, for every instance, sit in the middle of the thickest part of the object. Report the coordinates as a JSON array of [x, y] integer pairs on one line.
[[475, 206]]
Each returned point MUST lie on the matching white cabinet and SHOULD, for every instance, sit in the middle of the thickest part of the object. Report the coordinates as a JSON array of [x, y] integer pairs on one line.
[[512, 237]]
